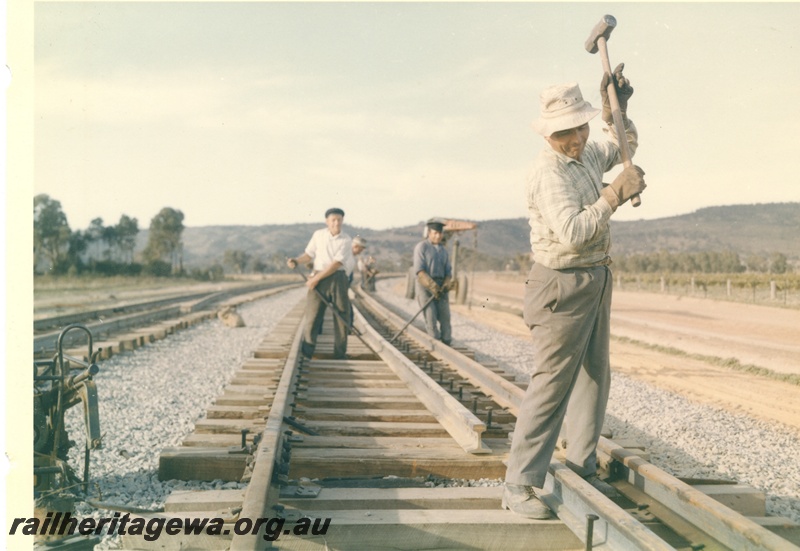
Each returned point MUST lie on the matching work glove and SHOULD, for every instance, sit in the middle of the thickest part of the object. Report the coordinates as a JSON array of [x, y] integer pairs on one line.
[[629, 182], [428, 282], [624, 92], [448, 284]]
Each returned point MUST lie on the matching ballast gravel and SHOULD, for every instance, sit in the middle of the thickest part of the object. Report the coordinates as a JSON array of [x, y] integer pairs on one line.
[[150, 398], [684, 438]]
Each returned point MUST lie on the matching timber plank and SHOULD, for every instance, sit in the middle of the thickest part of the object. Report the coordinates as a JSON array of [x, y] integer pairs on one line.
[[269, 381], [243, 399], [480, 497], [249, 389], [234, 412], [320, 463], [190, 463], [487, 530], [362, 383], [382, 415], [376, 442], [743, 499], [347, 364], [378, 429], [203, 500], [181, 541], [315, 391], [262, 363], [229, 425], [215, 440], [328, 375], [390, 402]]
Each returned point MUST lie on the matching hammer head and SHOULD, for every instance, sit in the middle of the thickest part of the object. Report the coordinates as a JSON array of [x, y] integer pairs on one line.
[[602, 29]]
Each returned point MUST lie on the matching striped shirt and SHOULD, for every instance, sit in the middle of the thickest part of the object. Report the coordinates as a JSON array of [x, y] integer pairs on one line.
[[568, 216]]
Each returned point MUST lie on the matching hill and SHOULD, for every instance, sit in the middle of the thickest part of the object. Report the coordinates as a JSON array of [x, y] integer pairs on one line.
[[744, 229]]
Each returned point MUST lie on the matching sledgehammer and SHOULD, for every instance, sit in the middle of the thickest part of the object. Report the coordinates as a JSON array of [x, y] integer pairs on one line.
[[597, 41]]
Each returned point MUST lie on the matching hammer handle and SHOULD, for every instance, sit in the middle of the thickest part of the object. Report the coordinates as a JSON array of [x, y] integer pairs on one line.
[[616, 113]]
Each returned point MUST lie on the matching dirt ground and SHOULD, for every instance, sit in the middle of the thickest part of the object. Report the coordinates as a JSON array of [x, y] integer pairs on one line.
[[762, 336]]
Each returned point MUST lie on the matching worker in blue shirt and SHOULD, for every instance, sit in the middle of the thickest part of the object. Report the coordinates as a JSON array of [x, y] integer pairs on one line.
[[434, 279]]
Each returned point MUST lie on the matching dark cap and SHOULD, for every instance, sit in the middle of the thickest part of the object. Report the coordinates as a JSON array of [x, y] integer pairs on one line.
[[334, 210], [435, 225]]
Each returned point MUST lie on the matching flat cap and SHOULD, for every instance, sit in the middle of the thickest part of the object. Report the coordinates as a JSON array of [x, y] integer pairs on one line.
[[436, 225]]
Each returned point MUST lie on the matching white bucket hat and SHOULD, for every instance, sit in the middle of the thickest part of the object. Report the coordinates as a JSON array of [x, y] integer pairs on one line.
[[562, 107]]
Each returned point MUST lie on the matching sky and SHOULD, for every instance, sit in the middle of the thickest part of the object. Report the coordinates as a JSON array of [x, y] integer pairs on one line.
[[269, 113]]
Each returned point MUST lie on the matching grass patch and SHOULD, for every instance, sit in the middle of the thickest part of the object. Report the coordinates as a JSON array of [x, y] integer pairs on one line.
[[728, 363]]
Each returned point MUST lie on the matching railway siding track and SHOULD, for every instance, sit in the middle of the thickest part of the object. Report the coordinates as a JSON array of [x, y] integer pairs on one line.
[[126, 328], [365, 444]]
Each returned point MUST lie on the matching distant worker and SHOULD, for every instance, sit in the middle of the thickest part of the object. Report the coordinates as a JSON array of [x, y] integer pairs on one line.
[[369, 270], [359, 244], [434, 279], [330, 250], [568, 291]]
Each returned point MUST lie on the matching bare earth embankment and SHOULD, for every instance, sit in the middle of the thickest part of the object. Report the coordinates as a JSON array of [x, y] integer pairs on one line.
[[680, 342]]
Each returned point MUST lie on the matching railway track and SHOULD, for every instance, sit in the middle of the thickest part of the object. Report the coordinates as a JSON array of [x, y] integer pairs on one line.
[[373, 452], [127, 327]]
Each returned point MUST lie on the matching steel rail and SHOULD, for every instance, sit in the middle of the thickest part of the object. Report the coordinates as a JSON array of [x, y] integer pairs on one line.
[[616, 528], [502, 391], [189, 303], [80, 317], [261, 495], [463, 425], [723, 524]]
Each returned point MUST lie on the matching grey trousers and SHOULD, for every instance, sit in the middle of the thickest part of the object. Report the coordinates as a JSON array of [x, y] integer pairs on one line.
[[568, 314], [437, 314], [334, 289]]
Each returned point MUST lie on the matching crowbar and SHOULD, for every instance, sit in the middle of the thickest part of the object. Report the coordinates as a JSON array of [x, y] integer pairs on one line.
[[412, 319]]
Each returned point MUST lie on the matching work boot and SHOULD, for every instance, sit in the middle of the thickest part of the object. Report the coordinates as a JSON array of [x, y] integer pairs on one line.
[[603, 487], [523, 501]]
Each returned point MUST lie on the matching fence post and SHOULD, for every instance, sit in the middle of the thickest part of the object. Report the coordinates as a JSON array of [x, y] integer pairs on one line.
[[663, 284], [692, 284], [772, 289], [728, 288]]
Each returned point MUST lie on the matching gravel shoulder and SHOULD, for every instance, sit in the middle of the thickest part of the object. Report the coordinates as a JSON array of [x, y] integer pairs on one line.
[[739, 392], [754, 335]]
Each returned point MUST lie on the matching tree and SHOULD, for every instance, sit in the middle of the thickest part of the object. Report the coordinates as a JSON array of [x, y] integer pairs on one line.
[[125, 237], [778, 263], [96, 235], [236, 259], [164, 240], [756, 263], [78, 243], [50, 231]]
